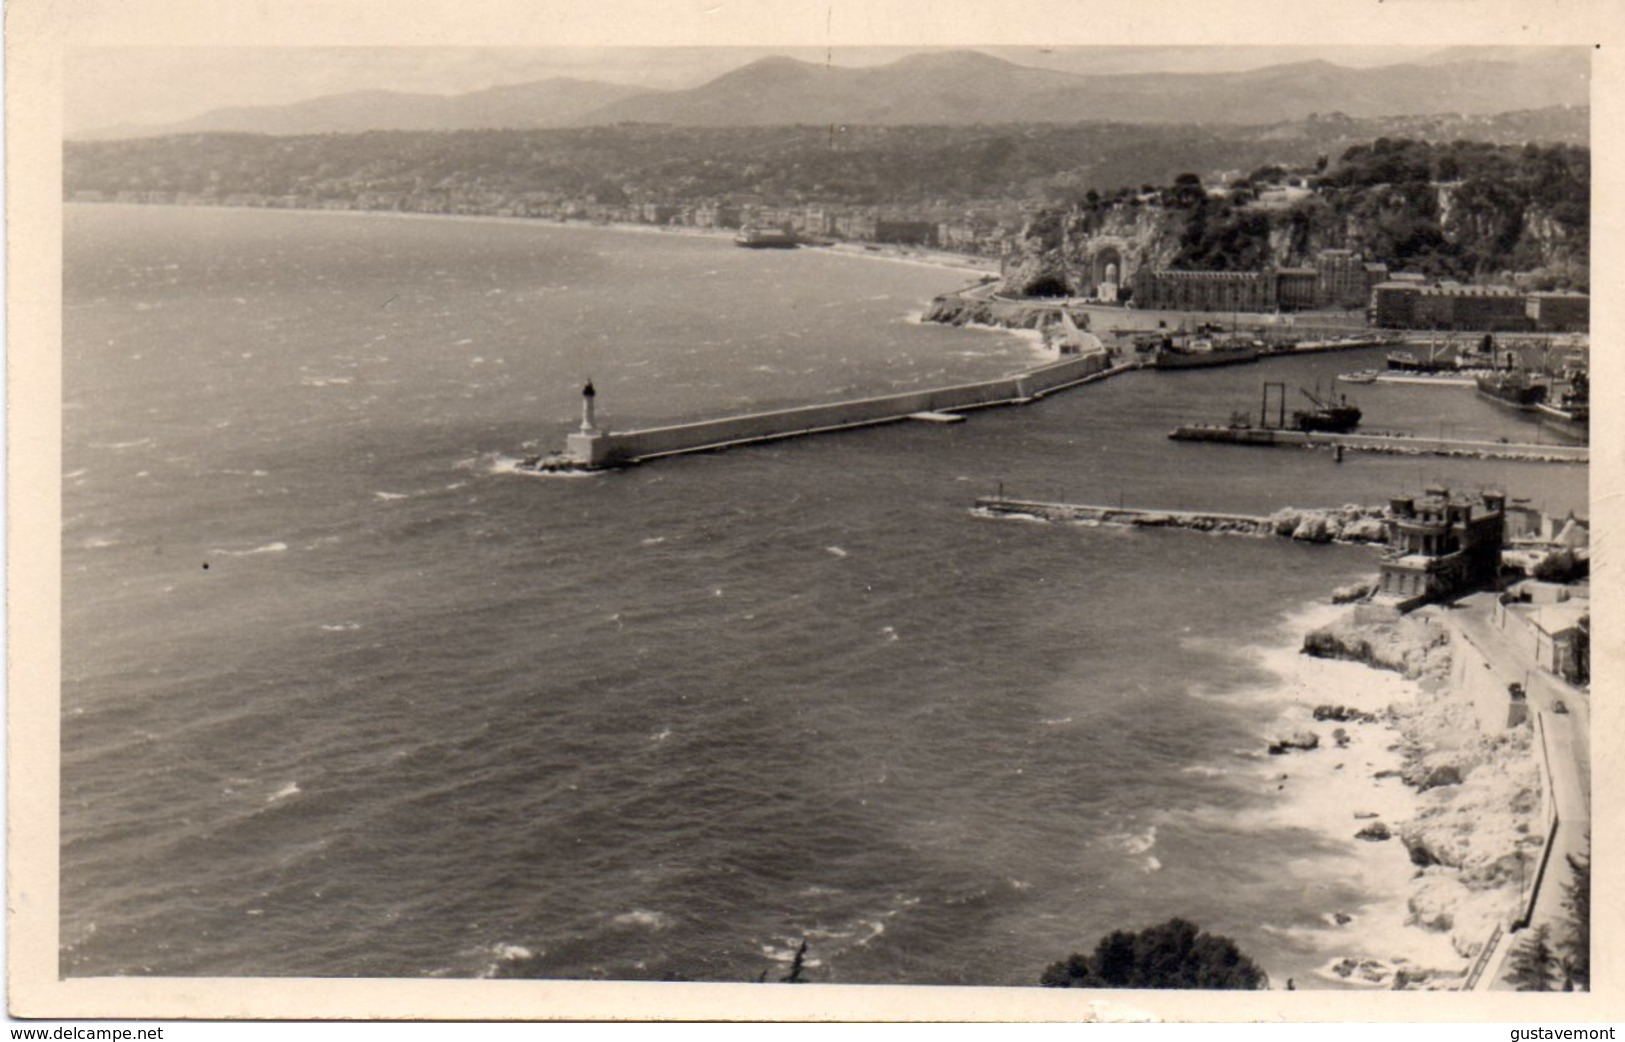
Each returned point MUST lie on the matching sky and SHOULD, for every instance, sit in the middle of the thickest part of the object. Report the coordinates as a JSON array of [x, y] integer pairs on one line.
[[114, 86]]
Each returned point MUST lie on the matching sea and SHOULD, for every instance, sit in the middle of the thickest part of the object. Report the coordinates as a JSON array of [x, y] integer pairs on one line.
[[345, 695]]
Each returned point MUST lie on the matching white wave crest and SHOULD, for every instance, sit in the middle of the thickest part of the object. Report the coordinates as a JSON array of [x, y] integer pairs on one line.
[[268, 548], [644, 918], [289, 790]]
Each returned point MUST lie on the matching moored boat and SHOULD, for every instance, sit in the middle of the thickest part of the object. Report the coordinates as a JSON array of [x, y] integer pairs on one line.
[[1570, 415], [1336, 417], [766, 239], [1202, 353], [1513, 389]]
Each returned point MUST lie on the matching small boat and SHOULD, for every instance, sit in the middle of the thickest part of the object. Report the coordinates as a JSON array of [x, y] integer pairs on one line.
[[1364, 376], [1405, 362]]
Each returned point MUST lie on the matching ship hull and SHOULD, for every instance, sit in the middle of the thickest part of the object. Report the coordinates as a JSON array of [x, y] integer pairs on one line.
[[1201, 359], [1569, 424], [1511, 394]]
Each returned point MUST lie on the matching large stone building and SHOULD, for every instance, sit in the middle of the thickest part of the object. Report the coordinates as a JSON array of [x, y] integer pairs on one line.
[[1441, 545], [1297, 289], [1338, 279], [1558, 312], [1204, 290], [1491, 309]]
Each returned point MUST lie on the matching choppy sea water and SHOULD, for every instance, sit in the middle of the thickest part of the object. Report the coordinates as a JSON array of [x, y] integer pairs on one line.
[[343, 695]]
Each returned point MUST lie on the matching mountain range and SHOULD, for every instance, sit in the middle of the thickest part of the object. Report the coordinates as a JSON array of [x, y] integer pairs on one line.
[[947, 87]]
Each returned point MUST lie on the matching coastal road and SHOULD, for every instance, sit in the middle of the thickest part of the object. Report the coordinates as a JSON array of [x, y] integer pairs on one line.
[[1567, 748]]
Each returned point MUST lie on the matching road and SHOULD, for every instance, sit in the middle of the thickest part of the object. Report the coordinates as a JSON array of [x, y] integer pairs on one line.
[[1567, 746]]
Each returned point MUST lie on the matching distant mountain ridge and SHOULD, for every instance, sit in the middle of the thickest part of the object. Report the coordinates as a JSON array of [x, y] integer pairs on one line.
[[561, 101], [950, 88]]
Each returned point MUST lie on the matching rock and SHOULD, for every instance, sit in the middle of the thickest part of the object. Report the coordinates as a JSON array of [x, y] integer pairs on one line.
[[1376, 832], [1342, 918], [1421, 854], [1353, 592], [1344, 714], [1435, 777], [1314, 528], [1304, 740], [1380, 636], [1365, 530]]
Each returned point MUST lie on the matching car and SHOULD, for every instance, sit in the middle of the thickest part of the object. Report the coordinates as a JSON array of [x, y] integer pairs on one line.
[[1559, 707]]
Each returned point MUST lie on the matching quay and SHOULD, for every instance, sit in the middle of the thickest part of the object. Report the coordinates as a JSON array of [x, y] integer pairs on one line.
[[596, 448], [1401, 444]]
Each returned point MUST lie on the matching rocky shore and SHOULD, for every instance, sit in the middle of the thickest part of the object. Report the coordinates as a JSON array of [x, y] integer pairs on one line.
[[980, 309], [1445, 813]]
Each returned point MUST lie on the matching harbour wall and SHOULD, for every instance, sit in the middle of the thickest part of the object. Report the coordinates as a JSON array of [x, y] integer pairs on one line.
[[612, 448], [1394, 444]]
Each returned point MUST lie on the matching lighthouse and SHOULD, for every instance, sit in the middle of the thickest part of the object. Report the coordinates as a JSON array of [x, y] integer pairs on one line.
[[590, 446], [588, 396]]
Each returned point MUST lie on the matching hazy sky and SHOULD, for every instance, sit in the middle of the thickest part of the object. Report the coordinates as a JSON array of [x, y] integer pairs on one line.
[[109, 86]]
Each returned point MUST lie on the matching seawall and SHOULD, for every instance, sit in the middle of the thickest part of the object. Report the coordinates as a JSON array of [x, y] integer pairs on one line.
[[1394, 444], [622, 447]]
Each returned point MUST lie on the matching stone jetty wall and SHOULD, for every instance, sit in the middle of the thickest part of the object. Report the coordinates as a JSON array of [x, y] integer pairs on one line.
[[631, 446]]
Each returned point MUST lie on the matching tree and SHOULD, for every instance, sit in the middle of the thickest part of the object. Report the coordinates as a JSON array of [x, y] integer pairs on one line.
[[1576, 945], [1176, 954], [1533, 965]]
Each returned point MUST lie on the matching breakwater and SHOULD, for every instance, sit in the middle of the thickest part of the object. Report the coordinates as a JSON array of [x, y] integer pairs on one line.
[[598, 448], [1349, 524], [1392, 444]]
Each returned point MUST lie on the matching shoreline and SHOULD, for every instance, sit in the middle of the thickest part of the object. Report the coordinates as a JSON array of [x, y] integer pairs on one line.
[[919, 256], [1421, 925]]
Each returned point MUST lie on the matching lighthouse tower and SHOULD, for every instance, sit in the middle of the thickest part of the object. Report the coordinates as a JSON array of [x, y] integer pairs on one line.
[[590, 445], [588, 396]]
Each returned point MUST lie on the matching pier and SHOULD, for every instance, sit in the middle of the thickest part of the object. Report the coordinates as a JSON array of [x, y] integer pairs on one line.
[[595, 448], [1395, 444]]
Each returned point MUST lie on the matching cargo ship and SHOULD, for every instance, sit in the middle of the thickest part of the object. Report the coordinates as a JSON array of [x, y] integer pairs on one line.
[[1337, 417], [1570, 415], [1202, 353], [766, 239], [1512, 389]]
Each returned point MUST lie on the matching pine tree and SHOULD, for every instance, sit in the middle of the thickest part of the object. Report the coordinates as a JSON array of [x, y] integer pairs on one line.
[[1175, 954], [1576, 944], [1533, 965]]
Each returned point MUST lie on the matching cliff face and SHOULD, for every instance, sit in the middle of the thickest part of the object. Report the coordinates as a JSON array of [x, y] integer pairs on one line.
[[1467, 228]]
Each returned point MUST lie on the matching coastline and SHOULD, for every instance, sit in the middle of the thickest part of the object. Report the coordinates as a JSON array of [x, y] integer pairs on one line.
[[1386, 763], [918, 256]]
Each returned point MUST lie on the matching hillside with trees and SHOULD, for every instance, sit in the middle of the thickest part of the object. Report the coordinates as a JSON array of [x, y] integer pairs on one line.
[[894, 166], [1465, 210]]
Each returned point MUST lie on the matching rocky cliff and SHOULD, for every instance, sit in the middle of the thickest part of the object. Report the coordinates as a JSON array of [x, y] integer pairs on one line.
[[1464, 211]]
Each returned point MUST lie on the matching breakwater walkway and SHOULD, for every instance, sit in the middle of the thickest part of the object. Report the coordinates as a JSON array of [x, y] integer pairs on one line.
[[594, 448], [1393, 444], [1135, 517], [1349, 524]]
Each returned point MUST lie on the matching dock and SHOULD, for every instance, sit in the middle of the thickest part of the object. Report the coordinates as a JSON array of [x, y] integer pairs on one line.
[[1393, 444]]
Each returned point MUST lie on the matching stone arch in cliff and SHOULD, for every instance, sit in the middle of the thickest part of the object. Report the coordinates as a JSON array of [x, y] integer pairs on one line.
[[1107, 270], [1107, 266]]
